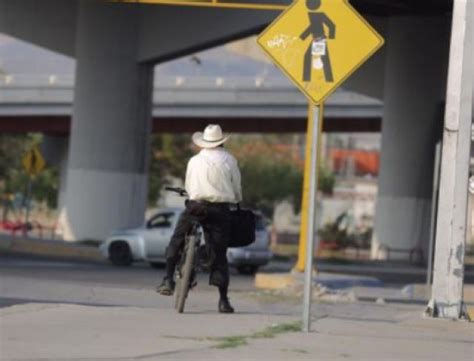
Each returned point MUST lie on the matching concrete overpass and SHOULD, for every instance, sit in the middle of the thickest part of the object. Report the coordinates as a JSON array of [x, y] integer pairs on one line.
[[116, 47], [221, 85], [182, 104]]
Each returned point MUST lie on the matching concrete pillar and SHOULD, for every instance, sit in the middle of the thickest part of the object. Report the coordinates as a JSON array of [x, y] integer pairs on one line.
[[415, 83], [111, 125]]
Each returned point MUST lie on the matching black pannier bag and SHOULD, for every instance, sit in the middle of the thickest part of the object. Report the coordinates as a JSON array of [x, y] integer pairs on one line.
[[243, 227]]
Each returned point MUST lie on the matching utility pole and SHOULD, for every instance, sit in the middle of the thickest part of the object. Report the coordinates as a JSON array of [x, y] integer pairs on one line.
[[447, 292]]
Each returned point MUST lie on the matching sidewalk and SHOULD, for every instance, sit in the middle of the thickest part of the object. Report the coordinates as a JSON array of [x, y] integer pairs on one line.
[[49, 248], [259, 331]]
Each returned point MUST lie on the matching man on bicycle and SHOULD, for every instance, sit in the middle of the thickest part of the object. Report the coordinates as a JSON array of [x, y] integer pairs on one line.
[[213, 184]]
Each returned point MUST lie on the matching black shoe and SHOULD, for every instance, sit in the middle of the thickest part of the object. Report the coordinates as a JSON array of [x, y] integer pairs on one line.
[[166, 288], [225, 307]]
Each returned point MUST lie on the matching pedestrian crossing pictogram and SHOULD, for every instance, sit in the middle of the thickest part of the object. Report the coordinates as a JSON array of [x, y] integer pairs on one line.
[[319, 44]]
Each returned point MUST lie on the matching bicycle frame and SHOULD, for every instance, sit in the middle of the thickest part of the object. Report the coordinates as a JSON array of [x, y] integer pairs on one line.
[[188, 265]]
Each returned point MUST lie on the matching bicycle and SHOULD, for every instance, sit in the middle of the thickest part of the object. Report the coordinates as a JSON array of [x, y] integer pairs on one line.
[[189, 263]]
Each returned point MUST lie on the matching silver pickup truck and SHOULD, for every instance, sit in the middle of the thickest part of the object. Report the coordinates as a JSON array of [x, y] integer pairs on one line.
[[148, 243]]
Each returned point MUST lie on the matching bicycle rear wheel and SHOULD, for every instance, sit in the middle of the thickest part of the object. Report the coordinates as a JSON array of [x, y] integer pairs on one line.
[[186, 271]]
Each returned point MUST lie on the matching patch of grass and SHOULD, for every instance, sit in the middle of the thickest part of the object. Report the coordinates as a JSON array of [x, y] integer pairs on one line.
[[269, 332], [242, 340], [273, 331], [231, 341], [223, 342], [274, 296], [186, 338]]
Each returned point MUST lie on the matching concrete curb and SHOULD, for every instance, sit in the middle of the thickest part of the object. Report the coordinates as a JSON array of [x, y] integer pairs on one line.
[[363, 288], [419, 290], [48, 248], [274, 281], [279, 281]]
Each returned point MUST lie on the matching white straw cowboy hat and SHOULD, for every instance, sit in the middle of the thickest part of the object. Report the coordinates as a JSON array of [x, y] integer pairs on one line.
[[211, 137]]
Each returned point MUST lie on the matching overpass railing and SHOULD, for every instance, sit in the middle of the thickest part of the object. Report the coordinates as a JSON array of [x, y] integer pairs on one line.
[[161, 81]]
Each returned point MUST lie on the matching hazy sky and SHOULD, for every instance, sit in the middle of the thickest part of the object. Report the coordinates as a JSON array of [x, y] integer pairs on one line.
[[19, 57]]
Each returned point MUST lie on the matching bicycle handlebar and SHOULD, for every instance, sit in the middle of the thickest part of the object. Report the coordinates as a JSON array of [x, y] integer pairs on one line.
[[182, 192]]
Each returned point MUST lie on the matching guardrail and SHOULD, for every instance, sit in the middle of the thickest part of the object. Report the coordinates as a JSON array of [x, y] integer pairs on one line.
[[161, 81]]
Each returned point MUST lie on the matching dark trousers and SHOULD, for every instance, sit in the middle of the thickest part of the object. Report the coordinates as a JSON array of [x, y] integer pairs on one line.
[[215, 220]]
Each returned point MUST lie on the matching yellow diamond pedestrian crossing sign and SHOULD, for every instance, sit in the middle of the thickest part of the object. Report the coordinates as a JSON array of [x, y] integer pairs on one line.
[[33, 162], [319, 44]]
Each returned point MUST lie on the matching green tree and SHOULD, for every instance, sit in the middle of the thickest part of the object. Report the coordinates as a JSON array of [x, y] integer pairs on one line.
[[326, 180], [266, 182], [169, 157]]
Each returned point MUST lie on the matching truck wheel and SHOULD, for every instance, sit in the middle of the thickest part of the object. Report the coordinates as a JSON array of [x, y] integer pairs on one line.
[[119, 254]]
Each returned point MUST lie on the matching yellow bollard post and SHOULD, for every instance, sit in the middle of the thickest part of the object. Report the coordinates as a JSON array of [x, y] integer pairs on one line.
[[300, 263]]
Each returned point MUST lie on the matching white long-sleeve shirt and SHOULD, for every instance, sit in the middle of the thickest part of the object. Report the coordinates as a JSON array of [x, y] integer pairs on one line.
[[213, 175]]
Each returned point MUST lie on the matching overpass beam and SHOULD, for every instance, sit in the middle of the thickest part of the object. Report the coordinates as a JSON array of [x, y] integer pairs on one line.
[[47, 23], [111, 125], [415, 83]]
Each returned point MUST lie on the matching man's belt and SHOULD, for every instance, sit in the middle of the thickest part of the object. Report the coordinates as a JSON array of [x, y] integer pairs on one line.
[[219, 204]]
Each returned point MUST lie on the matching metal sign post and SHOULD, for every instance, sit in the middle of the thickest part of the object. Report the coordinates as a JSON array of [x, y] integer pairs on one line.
[[28, 197], [311, 239]]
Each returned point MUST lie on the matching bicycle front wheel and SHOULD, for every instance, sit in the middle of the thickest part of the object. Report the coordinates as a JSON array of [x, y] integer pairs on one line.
[[186, 271]]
